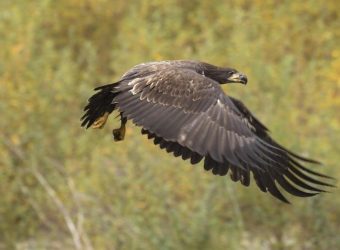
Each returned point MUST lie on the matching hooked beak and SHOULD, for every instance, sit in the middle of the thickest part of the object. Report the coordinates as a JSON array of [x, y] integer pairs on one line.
[[238, 78]]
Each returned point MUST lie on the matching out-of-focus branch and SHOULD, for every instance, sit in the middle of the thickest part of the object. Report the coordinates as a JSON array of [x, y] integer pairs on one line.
[[80, 214], [42, 217], [67, 217], [75, 197], [75, 231]]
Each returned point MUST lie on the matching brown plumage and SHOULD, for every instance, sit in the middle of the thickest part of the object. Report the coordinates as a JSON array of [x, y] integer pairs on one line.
[[181, 106]]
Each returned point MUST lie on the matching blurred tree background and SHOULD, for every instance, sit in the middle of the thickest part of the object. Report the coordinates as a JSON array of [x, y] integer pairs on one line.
[[62, 187]]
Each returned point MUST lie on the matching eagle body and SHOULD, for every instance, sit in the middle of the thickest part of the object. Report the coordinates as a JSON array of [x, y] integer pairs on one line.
[[181, 106]]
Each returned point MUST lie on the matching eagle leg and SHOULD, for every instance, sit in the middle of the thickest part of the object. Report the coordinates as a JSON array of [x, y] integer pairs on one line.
[[119, 133], [100, 121]]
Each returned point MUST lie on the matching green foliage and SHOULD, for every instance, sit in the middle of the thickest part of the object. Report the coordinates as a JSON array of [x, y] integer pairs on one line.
[[63, 188]]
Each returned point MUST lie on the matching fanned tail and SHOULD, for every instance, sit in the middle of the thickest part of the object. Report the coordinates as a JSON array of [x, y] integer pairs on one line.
[[100, 105]]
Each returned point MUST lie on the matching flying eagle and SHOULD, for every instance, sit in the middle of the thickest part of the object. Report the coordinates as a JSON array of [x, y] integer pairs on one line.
[[181, 106]]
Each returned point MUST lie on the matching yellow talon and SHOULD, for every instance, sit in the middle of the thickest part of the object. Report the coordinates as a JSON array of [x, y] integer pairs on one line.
[[100, 122]]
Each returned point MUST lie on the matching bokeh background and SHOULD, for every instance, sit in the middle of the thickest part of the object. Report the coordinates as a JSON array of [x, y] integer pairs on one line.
[[62, 187]]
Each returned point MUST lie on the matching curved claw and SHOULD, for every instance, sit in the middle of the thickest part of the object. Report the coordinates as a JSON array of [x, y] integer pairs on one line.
[[100, 122], [119, 133]]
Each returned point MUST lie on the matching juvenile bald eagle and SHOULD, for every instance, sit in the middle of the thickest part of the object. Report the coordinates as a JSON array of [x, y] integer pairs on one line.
[[182, 107]]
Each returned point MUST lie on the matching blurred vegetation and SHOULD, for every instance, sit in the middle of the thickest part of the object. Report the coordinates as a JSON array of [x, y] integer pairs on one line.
[[62, 187]]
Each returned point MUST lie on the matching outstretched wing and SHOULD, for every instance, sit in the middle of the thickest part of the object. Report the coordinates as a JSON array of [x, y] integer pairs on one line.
[[188, 114]]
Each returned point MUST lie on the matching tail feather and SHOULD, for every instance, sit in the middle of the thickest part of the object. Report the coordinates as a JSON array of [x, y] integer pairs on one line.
[[99, 104]]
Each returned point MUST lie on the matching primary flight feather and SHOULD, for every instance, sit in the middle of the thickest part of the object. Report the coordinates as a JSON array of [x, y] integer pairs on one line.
[[182, 107]]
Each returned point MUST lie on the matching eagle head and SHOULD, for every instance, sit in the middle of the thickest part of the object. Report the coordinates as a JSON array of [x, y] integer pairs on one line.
[[224, 75], [232, 76]]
